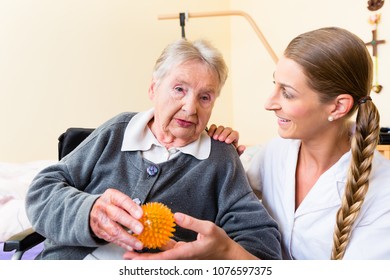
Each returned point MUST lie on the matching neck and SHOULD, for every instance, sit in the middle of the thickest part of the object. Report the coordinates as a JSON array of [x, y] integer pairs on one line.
[[315, 158], [326, 150]]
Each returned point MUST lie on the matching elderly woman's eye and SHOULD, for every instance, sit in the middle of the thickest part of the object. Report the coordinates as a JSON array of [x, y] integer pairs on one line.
[[205, 98], [179, 89]]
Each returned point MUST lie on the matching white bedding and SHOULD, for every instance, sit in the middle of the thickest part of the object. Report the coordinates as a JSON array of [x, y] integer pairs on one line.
[[14, 181]]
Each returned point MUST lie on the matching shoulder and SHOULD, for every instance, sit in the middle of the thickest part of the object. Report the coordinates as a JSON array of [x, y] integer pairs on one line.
[[223, 157], [380, 171], [116, 123], [380, 166], [378, 195], [282, 144], [122, 118], [271, 158], [278, 148], [221, 149], [111, 131]]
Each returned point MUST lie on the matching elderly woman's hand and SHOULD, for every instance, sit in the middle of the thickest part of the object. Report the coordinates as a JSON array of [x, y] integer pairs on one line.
[[227, 135], [212, 243], [112, 215]]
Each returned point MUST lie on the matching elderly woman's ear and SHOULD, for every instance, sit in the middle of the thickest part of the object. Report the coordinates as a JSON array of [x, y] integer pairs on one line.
[[151, 89]]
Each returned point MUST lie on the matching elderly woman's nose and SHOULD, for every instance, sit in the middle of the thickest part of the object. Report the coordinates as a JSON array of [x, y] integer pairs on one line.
[[189, 105]]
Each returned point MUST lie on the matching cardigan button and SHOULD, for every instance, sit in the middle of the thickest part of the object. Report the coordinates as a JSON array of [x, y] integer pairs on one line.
[[152, 170]]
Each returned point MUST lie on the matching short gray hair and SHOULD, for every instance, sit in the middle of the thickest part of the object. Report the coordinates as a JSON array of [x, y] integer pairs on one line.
[[183, 50]]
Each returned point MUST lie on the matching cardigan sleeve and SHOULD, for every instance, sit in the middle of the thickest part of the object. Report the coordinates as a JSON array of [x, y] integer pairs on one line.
[[57, 202], [241, 213]]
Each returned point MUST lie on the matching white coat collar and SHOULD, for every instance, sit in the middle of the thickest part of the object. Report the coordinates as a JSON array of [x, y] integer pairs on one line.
[[328, 190]]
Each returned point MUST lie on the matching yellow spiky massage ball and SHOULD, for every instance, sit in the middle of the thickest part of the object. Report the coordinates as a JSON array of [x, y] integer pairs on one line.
[[159, 225]]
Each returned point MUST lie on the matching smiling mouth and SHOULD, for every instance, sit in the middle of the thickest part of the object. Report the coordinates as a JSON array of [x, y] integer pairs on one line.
[[283, 120]]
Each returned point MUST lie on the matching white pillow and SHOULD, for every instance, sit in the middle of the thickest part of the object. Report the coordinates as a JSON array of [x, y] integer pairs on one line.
[[15, 179]]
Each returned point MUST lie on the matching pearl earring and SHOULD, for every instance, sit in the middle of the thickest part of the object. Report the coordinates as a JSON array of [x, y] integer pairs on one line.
[[330, 118]]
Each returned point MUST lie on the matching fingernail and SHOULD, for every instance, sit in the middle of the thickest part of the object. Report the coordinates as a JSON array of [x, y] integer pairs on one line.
[[138, 229], [138, 214], [138, 245], [179, 217], [129, 248]]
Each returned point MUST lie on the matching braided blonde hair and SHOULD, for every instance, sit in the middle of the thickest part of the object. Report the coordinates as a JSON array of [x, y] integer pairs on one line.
[[363, 146], [336, 61]]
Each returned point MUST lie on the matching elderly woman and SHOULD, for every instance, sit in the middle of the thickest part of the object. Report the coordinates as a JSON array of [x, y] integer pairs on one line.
[[88, 199]]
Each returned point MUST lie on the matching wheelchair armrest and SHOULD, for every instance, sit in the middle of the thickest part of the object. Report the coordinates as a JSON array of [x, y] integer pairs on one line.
[[23, 241]]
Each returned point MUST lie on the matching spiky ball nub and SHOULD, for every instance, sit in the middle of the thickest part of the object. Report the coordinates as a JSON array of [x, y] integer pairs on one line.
[[159, 225]]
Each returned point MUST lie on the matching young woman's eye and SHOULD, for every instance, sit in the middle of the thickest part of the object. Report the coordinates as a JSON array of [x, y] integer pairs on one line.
[[286, 94]]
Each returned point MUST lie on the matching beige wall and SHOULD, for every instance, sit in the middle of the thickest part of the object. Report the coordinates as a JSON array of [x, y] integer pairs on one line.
[[77, 63], [280, 21]]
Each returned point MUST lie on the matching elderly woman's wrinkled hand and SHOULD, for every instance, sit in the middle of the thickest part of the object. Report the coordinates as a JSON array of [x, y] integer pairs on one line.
[[113, 215]]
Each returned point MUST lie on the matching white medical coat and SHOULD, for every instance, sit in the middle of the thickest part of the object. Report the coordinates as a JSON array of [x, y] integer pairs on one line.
[[307, 233]]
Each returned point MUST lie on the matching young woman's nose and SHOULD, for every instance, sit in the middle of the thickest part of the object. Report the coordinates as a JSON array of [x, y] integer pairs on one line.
[[272, 103]]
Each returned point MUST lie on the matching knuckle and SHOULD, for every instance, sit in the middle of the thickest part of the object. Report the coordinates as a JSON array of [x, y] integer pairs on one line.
[[113, 212], [209, 228]]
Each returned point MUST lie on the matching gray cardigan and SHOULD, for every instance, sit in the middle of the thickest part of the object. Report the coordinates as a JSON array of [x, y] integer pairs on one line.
[[60, 197]]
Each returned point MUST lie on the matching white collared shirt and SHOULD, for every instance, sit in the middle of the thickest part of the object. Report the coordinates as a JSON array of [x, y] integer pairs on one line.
[[139, 137], [307, 232]]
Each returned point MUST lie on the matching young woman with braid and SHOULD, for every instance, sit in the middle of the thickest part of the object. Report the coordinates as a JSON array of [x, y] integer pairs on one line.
[[322, 180]]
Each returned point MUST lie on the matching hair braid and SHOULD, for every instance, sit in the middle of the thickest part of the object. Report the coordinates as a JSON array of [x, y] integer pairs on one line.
[[363, 146]]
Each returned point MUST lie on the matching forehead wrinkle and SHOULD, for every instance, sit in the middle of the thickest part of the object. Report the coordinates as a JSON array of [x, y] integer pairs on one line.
[[182, 79]]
